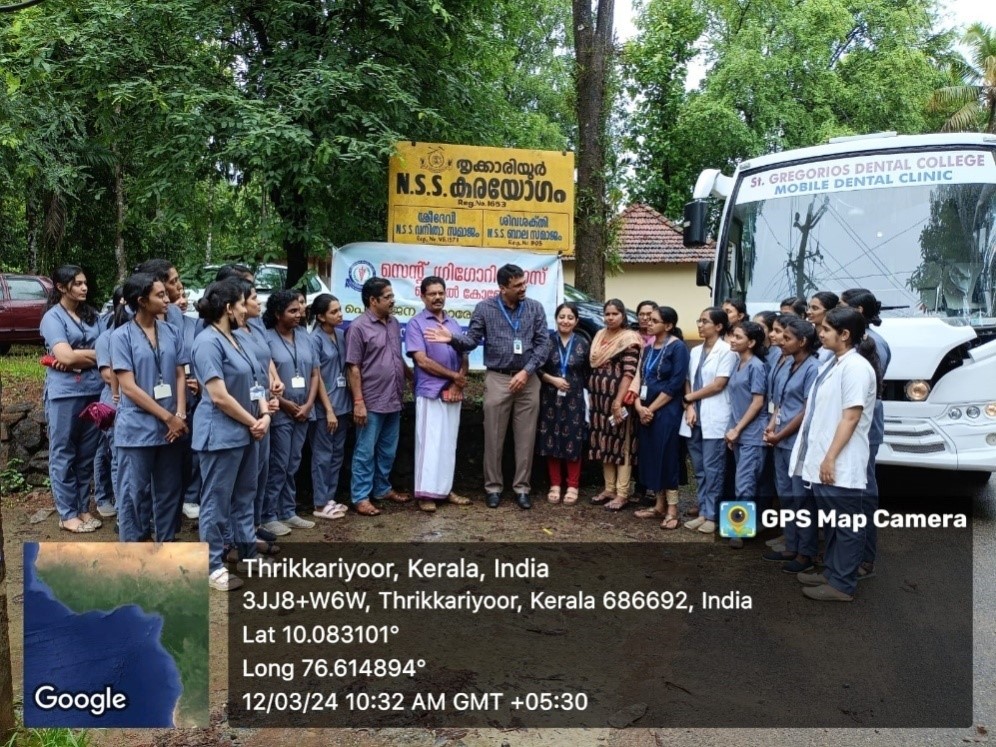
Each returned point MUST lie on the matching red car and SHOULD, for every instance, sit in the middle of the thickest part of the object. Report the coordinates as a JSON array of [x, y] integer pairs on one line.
[[23, 299]]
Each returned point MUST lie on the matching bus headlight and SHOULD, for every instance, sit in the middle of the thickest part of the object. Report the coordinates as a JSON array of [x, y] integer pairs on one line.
[[954, 413], [991, 410], [917, 390], [972, 411]]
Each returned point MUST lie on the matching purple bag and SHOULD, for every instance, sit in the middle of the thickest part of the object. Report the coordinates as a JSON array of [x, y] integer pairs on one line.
[[99, 414]]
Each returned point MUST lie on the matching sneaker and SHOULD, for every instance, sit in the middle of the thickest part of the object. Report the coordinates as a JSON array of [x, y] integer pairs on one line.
[[265, 535], [777, 557], [297, 522], [222, 580], [106, 510], [811, 579], [796, 567], [707, 527], [277, 528], [776, 541], [826, 593], [192, 510], [695, 523]]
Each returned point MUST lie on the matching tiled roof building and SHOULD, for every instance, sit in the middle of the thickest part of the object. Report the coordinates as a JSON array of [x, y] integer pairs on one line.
[[646, 236]]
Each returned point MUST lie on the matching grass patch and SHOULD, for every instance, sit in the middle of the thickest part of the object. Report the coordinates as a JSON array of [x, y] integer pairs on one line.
[[20, 366], [45, 737], [182, 603]]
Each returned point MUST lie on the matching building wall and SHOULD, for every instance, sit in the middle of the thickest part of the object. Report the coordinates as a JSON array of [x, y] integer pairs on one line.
[[668, 284]]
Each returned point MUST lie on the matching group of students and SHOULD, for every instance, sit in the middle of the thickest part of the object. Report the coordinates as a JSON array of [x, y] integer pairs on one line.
[[204, 417], [785, 405], [782, 405]]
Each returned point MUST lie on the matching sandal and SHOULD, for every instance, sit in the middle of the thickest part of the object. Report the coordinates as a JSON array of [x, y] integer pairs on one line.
[[670, 522], [554, 495], [366, 508], [571, 497], [265, 547], [603, 497], [394, 496], [617, 504], [648, 513], [81, 527]]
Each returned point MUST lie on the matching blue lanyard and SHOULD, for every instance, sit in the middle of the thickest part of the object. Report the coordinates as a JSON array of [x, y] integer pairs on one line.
[[565, 355], [788, 379], [649, 362], [508, 317]]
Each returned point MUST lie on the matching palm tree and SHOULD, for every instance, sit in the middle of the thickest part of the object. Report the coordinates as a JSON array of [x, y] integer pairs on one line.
[[975, 98]]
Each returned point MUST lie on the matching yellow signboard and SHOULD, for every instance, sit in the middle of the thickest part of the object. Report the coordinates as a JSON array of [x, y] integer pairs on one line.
[[462, 195]]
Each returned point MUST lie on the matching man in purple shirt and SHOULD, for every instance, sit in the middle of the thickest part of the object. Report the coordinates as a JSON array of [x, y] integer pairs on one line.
[[376, 373], [440, 376]]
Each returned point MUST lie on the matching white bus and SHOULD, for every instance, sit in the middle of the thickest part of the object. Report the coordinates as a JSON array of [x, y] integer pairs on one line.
[[911, 218]]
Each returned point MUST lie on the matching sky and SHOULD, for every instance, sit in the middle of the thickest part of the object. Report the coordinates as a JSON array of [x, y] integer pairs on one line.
[[955, 13]]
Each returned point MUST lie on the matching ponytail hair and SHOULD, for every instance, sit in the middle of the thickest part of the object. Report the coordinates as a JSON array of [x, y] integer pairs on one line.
[[217, 298], [119, 309], [850, 319], [65, 275], [870, 306], [670, 316], [759, 335]]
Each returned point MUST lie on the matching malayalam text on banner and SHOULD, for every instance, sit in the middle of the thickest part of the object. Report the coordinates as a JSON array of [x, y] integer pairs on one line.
[[461, 195]]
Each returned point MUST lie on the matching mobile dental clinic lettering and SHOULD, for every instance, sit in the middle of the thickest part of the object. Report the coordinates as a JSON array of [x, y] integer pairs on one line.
[[919, 168]]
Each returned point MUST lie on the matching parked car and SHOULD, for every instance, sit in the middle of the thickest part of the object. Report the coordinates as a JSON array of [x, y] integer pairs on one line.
[[23, 299], [590, 316], [268, 279]]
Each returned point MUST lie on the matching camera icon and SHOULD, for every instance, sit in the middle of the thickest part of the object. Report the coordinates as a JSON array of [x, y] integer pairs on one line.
[[737, 519]]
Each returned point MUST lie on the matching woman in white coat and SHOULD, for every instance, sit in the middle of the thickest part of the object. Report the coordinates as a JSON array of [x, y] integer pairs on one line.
[[707, 413]]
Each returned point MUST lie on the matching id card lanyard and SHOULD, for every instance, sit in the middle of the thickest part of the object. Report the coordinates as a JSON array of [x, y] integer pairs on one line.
[[340, 380], [793, 368], [565, 358], [256, 392], [297, 381], [516, 340], [649, 363], [161, 390]]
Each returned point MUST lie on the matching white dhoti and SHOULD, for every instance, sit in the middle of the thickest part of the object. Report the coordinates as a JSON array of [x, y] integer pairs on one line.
[[437, 426]]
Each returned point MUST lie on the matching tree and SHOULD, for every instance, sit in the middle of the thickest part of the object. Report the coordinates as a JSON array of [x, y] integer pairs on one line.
[[655, 65], [784, 74], [973, 97], [594, 58]]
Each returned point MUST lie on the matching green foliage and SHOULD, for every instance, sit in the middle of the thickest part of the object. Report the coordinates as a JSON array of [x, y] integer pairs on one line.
[[21, 366], [968, 101], [182, 602], [783, 74], [234, 130], [49, 738], [11, 479]]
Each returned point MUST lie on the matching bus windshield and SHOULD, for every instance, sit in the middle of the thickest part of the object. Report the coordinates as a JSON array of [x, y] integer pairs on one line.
[[918, 234]]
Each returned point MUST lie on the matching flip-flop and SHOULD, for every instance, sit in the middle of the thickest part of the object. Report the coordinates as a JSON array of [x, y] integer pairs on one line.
[[617, 504], [366, 508], [601, 498], [648, 513], [668, 521]]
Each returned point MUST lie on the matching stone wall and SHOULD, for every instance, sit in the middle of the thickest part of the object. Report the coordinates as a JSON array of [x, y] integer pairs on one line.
[[23, 437]]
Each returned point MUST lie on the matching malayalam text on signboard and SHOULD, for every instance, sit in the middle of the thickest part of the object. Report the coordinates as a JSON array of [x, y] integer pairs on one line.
[[461, 195]]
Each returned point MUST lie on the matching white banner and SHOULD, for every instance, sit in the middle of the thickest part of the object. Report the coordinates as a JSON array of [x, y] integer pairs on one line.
[[870, 172], [471, 276]]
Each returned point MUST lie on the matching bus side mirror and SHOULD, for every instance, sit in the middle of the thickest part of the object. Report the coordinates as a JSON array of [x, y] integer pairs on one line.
[[694, 224], [703, 273]]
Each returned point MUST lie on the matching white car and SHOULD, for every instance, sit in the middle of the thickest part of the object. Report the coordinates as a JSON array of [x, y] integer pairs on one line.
[[268, 279]]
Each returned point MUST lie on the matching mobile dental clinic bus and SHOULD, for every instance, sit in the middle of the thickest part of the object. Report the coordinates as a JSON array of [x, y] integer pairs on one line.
[[911, 218]]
